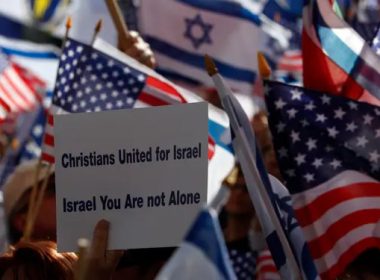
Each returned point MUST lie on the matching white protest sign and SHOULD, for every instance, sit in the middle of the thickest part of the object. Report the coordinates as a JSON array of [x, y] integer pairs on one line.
[[144, 170]]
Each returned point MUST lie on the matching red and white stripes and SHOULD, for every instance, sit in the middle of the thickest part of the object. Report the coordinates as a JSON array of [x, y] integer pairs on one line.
[[339, 218], [19, 89], [291, 61], [265, 267]]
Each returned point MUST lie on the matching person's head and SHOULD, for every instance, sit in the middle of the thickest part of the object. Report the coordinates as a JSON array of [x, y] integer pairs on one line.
[[36, 260], [239, 202], [17, 191]]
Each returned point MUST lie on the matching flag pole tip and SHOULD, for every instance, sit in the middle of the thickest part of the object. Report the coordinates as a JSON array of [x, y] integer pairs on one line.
[[264, 67], [69, 22], [98, 26], [210, 66]]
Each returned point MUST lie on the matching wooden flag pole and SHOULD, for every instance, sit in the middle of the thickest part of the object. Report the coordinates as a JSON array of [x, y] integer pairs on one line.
[[97, 29], [121, 27]]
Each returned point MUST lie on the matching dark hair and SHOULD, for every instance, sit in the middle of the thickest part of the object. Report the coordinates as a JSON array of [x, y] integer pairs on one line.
[[37, 260], [366, 264]]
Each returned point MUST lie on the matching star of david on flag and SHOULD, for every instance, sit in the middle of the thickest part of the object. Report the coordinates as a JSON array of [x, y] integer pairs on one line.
[[212, 27], [198, 31]]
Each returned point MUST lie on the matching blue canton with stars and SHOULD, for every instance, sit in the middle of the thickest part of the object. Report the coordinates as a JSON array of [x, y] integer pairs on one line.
[[243, 262], [195, 25], [317, 136], [91, 81]]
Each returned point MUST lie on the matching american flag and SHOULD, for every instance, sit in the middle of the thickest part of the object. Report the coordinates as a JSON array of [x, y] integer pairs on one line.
[[19, 88], [92, 81], [327, 148], [289, 67], [291, 61]]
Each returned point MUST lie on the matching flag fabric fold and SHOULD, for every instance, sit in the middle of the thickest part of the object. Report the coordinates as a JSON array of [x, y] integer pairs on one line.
[[326, 146], [347, 64]]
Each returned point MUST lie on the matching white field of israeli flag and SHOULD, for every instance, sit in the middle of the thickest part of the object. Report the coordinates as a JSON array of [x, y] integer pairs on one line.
[[181, 32], [203, 253]]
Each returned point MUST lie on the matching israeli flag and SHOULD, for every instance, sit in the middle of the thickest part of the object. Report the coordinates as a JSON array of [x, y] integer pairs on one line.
[[203, 253], [293, 230], [182, 31]]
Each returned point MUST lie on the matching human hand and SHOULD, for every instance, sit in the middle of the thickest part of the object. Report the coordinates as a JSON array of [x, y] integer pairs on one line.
[[97, 262], [136, 47]]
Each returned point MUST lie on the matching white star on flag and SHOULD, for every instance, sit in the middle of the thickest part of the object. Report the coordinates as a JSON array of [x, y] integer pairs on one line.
[[339, 113], [300, 159], [280, 103], [311, 144], [351, 127], [296, 94], [295, 136], [368, 119], [292, 113], [321, 118], [362, 141]]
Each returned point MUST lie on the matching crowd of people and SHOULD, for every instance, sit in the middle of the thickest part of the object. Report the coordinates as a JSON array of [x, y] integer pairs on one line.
[[36, 257]]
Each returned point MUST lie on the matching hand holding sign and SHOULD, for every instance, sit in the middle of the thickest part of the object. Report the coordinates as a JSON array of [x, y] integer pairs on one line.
[[98, 263]]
